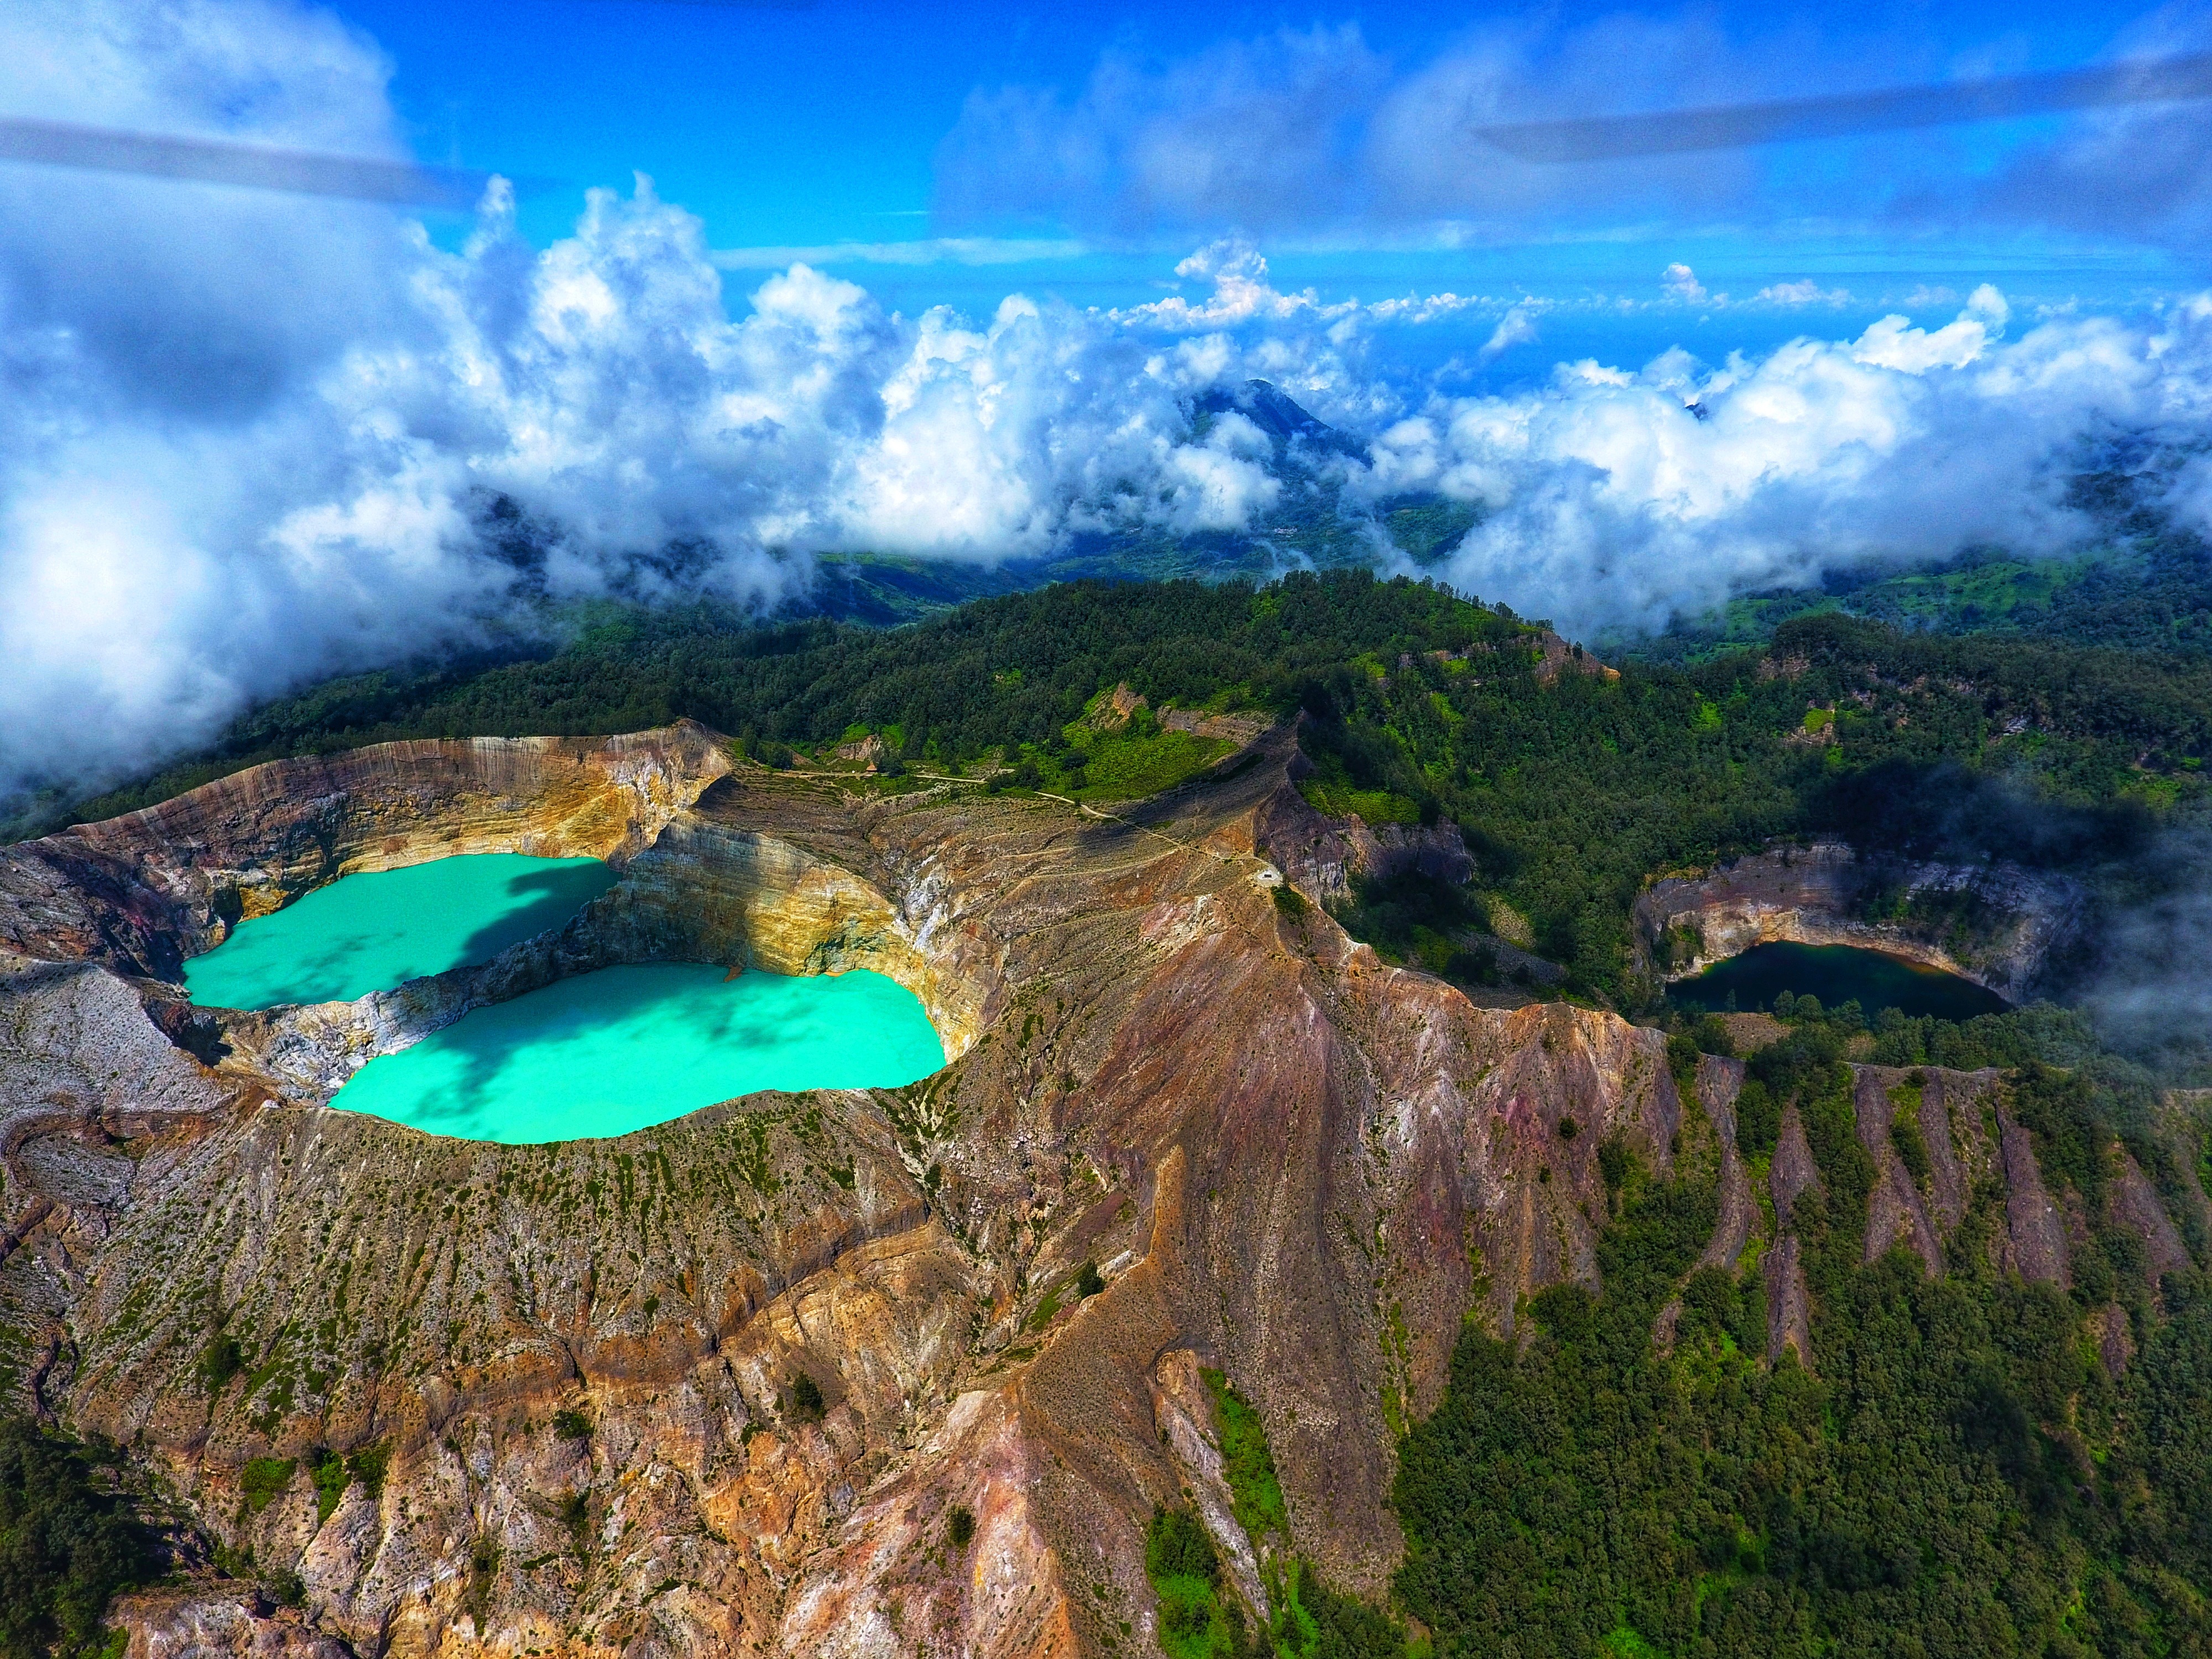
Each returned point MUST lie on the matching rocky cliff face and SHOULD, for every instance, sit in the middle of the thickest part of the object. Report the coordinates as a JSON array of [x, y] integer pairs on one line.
[[1996, 925], [719, 1386], [142, 892]]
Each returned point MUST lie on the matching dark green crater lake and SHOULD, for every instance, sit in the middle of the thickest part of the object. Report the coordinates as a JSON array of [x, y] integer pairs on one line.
[[1836, 973]]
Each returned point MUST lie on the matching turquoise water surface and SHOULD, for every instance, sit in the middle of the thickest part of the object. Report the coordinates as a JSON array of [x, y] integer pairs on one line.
[[1836, 973], [371, 933], [606, 1053]]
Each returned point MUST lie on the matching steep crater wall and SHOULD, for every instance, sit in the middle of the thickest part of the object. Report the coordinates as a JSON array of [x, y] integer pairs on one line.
[[142, 892], [1997, 925], [145, 892], [1284, 1159]]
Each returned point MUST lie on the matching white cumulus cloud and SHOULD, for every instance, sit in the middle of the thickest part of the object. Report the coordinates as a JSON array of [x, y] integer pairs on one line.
[[1678, 281], [1804, 292], [251, 439], [1517, 327], [1613, 498]]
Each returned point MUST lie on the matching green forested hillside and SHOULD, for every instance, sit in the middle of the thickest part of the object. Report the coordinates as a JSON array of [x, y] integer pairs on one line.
[[1419, 706], [992, 675], [1959, 1474], [2151, 592]]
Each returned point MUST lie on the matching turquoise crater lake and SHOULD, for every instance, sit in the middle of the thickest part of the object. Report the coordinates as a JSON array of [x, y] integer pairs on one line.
[[623, 1048], [374, 932]]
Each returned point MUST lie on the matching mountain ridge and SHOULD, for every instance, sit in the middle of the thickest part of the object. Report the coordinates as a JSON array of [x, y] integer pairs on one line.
[[1286, 1160]]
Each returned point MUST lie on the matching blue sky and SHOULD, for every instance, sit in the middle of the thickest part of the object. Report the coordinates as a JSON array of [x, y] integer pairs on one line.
[[836, 124]]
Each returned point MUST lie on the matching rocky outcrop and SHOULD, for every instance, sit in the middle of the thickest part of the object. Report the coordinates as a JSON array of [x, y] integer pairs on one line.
[[142, 892], [1327, 856], [203, 1622], [1292, 1160], [1790, 1175], [2133, 1205], [1897, 1213], [1789, 1303], [1556, 656], [802, 1374], [1718, 1083], [2035, 1231], [1239, 729], [1819, 894], [1951, 1131], [1114, 710]]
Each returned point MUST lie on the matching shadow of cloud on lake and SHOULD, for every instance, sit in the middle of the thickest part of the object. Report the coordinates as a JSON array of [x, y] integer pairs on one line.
[[619, 1049], [546, 899]]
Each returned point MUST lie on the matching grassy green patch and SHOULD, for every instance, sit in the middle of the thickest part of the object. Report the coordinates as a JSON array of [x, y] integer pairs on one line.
[[222, 1359], [1079, 1286], [1201, 1619], [328, 1471], [368, 1465], [804, 1402], [1255, 1494], [1045, 1310], [1372, 807], [1129, 766], [263, 1480], [1193, 1623], [1185, 1576], [1312, 1621]]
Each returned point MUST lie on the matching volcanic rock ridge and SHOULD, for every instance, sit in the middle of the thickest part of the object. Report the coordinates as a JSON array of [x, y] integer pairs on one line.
[[813, 1373]]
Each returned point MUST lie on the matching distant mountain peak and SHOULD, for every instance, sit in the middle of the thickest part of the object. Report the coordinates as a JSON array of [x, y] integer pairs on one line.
[[1275, 413]]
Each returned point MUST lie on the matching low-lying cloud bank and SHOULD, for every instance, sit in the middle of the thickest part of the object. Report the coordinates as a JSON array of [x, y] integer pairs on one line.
[[1623, 499], [249, 440]]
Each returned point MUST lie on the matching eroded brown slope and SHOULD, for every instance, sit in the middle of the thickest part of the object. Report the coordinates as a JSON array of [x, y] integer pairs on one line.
[[1290, 1161]]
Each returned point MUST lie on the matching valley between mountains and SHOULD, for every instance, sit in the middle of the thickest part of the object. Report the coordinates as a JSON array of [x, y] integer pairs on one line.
[[815, 1374]]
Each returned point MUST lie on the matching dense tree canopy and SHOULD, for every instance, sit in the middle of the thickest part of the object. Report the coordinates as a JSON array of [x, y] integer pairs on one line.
[[66, 1546], [1960, 1473], [1573, 787]]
